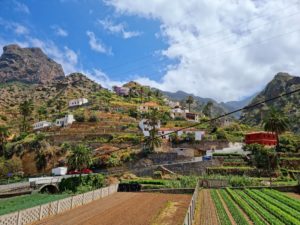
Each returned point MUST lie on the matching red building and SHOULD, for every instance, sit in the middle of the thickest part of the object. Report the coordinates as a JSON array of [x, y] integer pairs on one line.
[[263, 138]]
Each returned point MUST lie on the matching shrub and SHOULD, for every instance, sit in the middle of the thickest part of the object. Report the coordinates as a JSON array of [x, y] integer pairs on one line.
[[93, 118], [82, 183], [79, 117]]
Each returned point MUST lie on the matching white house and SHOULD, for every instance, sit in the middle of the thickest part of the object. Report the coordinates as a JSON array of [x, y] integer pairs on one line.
[[178, 112], [65, 121], [78, 102], [166, 131], [41, 125], [145, 127]]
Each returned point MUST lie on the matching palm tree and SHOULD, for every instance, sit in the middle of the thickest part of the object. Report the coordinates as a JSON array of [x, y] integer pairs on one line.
[[4, 134], [80, 157], [207, 109], [190, 101], [277, 123], [25, 109], [152, 141]]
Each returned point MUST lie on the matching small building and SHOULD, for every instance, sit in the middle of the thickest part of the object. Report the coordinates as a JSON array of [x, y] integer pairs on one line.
[[145, 127], [78, 102], [178, 112], [121, 91], [166, 131], [148, 106], [261, 137], [65, 121], [192, 117], [41, 124]]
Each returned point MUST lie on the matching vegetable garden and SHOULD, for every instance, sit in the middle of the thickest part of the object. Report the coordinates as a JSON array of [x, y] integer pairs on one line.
[[253, 206]]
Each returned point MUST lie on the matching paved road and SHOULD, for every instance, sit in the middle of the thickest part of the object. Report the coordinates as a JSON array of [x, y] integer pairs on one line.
[[124, 208]]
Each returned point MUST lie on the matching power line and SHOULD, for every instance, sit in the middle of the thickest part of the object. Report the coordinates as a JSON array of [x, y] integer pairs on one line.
[[216, 118]]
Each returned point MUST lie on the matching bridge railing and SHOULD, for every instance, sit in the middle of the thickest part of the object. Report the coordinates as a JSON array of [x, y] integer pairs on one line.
[[40, 212]]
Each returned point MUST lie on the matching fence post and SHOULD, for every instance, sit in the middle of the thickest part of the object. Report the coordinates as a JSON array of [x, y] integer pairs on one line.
[[57, 208], [41, 212], [72, 202], [19, 218]]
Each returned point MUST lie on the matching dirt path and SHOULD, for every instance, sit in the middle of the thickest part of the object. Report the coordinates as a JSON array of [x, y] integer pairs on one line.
[[126, 209], [207, 214]]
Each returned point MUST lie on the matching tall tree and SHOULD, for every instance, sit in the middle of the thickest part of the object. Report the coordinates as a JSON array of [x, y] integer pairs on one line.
[[277, 123], [207, 109], [4, 134], [80, 157], [190, 101], [26, 109], [42, 112], [153, 141]]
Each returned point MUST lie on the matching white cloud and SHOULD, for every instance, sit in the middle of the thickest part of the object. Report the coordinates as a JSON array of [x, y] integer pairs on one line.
[[118, 29], [66, 57], [96, 44], [226, 49], [21, 7], [60, 31], [101, 78], [20, 29], [17, 28]]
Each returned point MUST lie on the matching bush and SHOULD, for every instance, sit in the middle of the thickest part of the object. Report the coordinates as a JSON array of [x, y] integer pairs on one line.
[[82, 183], [93, 118], [79, 117]]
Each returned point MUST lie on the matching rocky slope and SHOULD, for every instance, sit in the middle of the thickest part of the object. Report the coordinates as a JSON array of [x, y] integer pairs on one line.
[[28, 65], [281, 83]]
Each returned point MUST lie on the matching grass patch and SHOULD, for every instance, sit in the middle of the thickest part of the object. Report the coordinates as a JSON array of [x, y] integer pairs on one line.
[[9, 205]]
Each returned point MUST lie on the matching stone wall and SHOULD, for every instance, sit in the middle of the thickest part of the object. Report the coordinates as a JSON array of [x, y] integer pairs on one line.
[[184, 168], [205, 145]]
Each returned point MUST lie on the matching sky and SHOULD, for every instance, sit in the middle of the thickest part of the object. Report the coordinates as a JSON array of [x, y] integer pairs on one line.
[[222, 49]]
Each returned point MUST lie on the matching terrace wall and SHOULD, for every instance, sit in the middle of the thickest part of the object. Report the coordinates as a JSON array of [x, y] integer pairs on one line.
[[37, 213]]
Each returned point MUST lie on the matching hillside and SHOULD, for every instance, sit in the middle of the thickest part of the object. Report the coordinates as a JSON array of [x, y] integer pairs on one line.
[[29, 65], [281, 83]]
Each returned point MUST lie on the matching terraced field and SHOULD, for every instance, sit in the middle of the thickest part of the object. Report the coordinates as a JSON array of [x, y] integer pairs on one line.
[[255, 207]]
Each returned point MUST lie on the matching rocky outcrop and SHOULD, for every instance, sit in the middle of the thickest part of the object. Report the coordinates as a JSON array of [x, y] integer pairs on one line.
[[280, 84], [28, 65]]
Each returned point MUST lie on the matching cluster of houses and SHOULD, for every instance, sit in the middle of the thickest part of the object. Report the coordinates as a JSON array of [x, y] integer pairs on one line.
[[64, 121]]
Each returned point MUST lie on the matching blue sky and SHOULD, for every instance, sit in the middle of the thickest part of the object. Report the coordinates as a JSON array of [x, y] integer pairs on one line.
[[66, 23], [226, 50]]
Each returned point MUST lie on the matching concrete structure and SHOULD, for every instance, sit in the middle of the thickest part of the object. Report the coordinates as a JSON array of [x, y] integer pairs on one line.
[[187, 152], [166, 131], [78, 102], [59, 171], [121, 91], [192, 117], [65, 121], [147, 106], [41, 124], [146, 127], [261, 137], [178, 112]]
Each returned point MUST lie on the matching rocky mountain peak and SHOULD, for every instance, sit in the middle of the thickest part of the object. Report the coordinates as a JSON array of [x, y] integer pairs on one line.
[[28, 65]]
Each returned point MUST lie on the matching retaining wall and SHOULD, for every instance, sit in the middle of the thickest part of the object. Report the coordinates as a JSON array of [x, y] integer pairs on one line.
[[40, 212]]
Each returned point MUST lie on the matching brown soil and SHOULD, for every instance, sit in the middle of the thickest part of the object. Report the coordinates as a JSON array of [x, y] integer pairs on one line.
[[126, 209], [208, 214], [293, 195]]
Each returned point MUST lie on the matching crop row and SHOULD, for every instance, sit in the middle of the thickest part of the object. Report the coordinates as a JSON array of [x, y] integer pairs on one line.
[[283, 198], [236, 213], [284, 217], [220, 208], [247, 208], [265, 214], [278, 204]]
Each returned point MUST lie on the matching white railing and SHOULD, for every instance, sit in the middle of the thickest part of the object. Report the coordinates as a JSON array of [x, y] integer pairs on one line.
[[190, 214], [37, 213]]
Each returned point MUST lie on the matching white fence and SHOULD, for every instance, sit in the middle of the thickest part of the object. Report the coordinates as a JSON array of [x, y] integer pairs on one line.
[[190, 214], [42, 211]]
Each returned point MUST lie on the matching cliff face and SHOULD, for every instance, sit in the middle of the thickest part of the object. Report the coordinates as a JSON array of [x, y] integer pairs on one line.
[[28, 65], [280, 84]]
